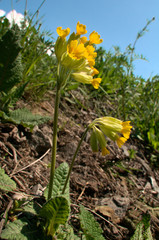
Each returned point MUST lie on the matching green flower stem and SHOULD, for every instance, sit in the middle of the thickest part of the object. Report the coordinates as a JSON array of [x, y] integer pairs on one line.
[[74, 157], [54, 142]]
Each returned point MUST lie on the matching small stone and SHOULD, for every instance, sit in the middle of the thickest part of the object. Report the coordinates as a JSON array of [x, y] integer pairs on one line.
[[37, 190]]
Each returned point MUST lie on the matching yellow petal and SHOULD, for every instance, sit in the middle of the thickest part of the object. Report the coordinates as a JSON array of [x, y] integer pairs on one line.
[[91, 61], [94, 38], [76, 50], [96, 82], [91, 51], [83, 40], [63, 32], [90, 55], [95, 71], [120, 141], [80, 29], [126, 129], [127, 123], [126, 134]]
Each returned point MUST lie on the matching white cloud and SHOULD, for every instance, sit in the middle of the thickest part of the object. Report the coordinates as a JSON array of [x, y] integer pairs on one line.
[[2, 13]]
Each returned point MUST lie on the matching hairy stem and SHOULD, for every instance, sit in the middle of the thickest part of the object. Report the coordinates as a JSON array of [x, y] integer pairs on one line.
[[74, 157], [54, 142]]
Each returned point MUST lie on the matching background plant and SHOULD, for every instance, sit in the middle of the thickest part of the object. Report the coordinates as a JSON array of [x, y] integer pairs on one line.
[[128, 96], [24, 68]]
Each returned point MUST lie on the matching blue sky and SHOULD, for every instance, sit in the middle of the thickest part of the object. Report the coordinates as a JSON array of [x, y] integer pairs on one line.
[[117, 21]]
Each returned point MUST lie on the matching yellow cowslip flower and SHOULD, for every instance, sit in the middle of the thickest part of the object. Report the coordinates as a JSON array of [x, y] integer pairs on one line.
[[85, 69], [91, 51], [90, 55], [71, 64], [113, 128], [76, 56], [91, 61], [83, 40], [126, 129], [120, 141], [96, 82], [82, 77], [80, 29], [76, 50], [94, 71], [63, 32], [60, 47], [98, 139], [94, 38]]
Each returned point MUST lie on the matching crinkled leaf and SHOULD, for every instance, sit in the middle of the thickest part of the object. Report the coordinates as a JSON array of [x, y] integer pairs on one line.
[[32, 207], [90, 226], [59, 181], [24, 117], [6, 183], [17, 92], [138, 232], [10, 59], [55, 212], [23, 229], [143, 231], [66, 232]]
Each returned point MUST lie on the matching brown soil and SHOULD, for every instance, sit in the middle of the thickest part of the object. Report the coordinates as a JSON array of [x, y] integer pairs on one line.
[[119, 188]]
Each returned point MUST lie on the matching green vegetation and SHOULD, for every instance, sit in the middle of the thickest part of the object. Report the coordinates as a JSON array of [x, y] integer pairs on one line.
[[22, 52], [129, 96], [143, 231], [27, 71]]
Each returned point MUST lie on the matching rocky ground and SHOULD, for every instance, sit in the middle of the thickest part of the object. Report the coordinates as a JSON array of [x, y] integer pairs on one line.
[[118, 188]]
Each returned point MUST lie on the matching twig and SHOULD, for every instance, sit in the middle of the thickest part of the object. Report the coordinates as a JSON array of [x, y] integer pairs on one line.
[[19, 153], [32, 163], [13, 150], [19, 183], [80, 196], [14, 155], [5, 215], [2, 145], [7, 163], [41, 176]]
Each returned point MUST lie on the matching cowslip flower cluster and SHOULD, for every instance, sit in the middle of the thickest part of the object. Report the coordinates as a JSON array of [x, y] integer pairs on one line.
[[76, 56], [113, 128]]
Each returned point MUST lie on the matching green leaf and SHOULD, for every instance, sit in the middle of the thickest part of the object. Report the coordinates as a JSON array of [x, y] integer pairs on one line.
[[23, 229], [18, 92], [6, 183], [55, 212], [24, 117], [90, 226], [138, 232], [59, 181], [65, 232], [10, 59], [143, 231], [31, 207], [11, 97]]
